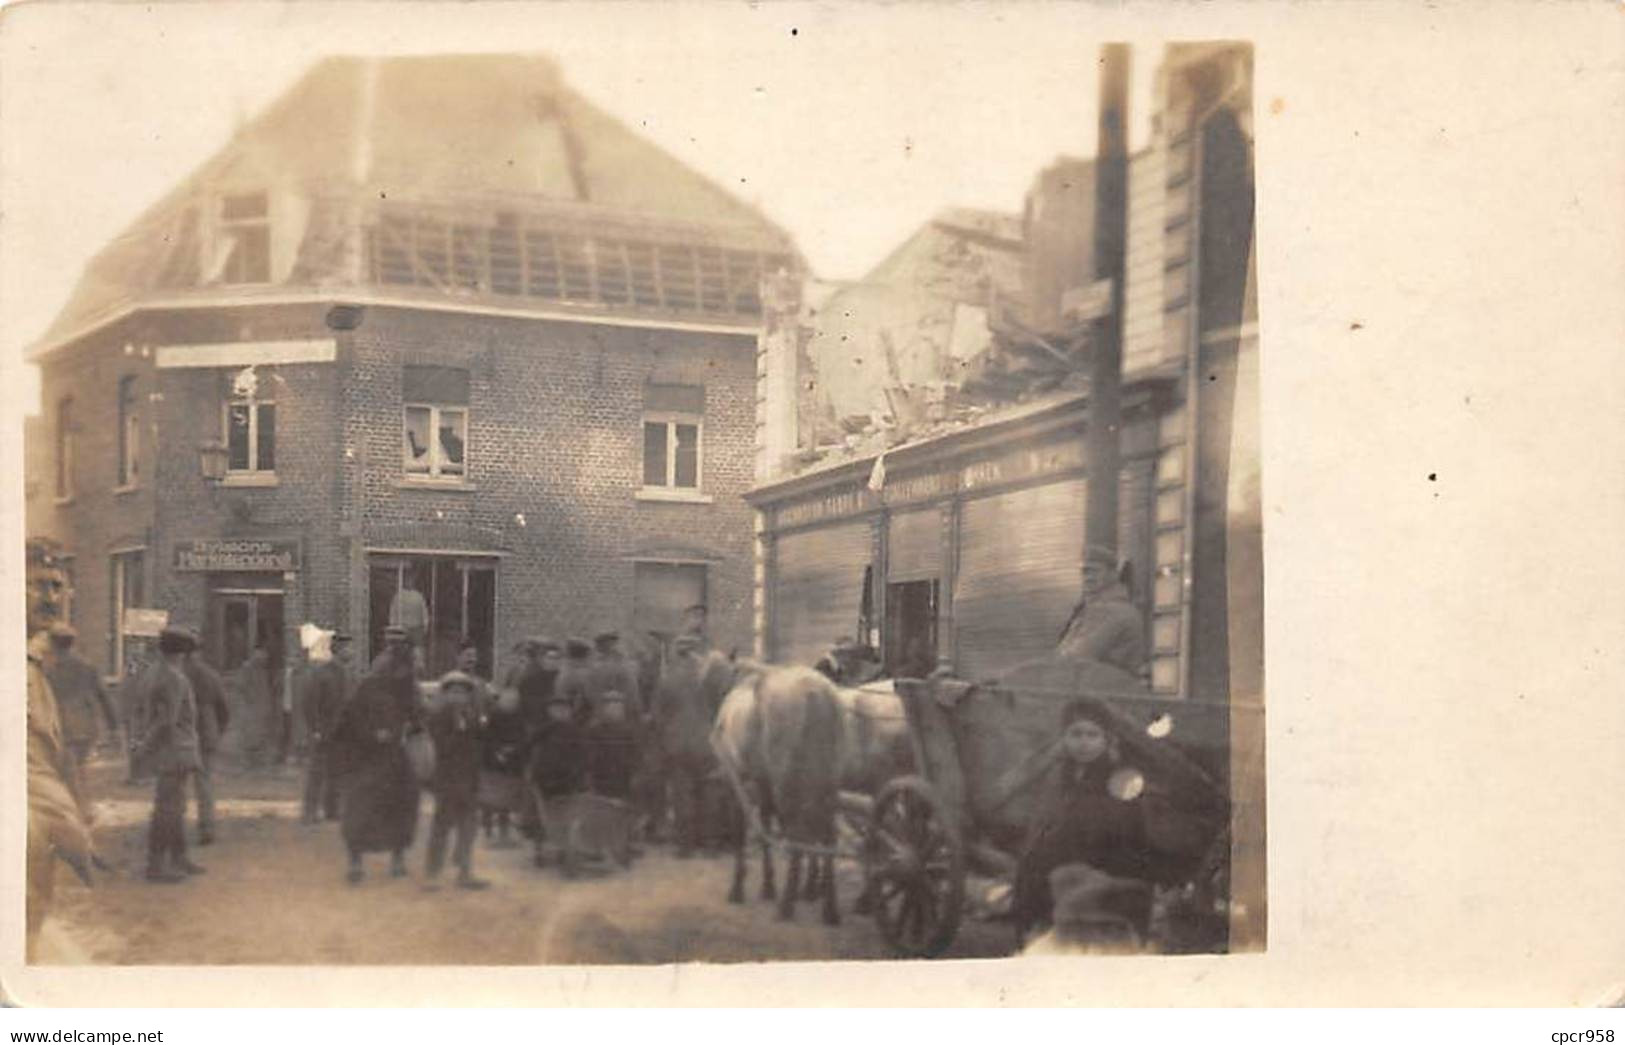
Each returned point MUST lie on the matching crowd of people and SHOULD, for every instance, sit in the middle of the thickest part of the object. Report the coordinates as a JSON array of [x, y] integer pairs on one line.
[[566, 718]]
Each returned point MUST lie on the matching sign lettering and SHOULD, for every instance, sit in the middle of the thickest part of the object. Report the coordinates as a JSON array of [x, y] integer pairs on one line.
[[235, 555]]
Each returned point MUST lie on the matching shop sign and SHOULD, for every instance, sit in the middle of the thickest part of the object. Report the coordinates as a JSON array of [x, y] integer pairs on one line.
[[237, 555], [1029, 463], [146, 624]]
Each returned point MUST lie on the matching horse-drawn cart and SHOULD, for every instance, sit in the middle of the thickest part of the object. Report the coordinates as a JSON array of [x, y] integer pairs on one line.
[[979, 751]]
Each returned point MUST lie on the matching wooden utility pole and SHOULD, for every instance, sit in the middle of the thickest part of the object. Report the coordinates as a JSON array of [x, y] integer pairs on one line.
[[1102, 437]]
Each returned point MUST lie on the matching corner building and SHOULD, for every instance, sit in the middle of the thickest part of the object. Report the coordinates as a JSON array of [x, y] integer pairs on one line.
[[455, 329]]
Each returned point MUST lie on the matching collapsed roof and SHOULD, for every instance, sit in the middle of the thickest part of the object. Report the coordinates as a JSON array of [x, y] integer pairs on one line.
[[471, 175]]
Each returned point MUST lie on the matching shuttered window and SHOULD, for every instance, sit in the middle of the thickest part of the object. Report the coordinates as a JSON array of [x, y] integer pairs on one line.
[[1020, 574], [662, 591], [818, 589], [914, 550]]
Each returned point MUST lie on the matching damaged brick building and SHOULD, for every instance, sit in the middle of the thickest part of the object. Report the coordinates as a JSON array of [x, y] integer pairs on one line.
[[450, 326]]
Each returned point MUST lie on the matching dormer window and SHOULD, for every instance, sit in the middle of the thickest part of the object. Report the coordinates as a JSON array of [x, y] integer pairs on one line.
[[245, 238]]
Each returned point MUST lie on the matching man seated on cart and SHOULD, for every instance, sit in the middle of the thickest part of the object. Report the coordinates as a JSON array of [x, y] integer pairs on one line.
[[1086, 816]]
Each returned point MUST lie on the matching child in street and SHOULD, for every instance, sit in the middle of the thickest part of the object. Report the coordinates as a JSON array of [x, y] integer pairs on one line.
[[502, 766], [557, 760], [456, 722], [612, 748], [1081, 821]]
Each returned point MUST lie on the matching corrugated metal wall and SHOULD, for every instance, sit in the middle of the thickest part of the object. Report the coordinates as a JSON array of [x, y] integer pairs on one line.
[[914, 548], [819, 589], [1020, 570]]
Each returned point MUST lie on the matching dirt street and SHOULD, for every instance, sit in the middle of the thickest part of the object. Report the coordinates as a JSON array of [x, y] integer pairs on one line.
[[274, 893]]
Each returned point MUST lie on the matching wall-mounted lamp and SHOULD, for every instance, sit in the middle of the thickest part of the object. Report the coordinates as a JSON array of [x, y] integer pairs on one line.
[[212, 459]]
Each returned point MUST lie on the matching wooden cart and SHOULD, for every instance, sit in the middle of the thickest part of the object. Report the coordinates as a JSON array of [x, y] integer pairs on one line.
[[980, 749]]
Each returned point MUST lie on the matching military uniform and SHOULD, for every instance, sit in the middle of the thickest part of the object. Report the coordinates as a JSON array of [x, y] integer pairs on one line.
[[213, 715], [326, 689], [79, 697], [169, 748]]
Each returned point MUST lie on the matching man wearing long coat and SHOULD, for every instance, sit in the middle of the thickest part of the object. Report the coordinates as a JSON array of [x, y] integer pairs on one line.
[[326, 690], [379, 795], [213, 716], [169, 747]]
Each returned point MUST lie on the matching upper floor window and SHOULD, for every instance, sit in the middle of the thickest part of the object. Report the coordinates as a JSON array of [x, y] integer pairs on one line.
[[245, 238], [673, 429], [64, 448], [434, 422], [250, 432], [129, 433]]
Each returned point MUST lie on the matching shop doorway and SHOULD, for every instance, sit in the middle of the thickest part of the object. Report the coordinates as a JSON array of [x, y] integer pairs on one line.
[[243, 620], [911, 628], [441, 599]]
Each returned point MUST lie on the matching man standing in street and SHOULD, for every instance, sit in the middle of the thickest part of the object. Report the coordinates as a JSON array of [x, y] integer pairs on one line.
[[695, 623], [397, 656], [79, 698], [327, 687], [613, 672], [169, 747], [262, 712], [409, 611], [213, 715]]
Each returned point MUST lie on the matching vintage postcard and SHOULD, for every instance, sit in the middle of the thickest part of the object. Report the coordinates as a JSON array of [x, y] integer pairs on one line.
[[714, 486]]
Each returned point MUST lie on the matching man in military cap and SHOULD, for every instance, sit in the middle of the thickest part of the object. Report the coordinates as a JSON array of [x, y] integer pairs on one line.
[[695, 623], [537, 679], [169, 747], [213, 716], [79, 697], [397, 657], [1106, 627], [613, 671], [327, 687], [575, 678]]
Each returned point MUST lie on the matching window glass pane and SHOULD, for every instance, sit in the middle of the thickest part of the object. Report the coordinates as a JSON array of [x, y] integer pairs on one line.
[[416, 439], [1165, 674], [132, 447], [251, 261], [688, 456], [134, 580], [266, 437], [453, 437], [237, 458], [654, 453], [662, 591], [250, 205], [443, 385], [64, 446]]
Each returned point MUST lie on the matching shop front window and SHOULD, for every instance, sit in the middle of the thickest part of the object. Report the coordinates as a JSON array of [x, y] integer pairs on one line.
[[440, 600]]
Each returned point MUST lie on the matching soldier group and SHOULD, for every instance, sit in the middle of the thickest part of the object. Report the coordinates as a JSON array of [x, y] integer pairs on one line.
[[566, 719]]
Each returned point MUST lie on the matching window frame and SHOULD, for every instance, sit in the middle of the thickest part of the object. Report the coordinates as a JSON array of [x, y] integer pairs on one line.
[[671, 419], [436, 472], [643, 562], [64, 449], [253, 402], [128, 475], [228, 228], [118, 572]]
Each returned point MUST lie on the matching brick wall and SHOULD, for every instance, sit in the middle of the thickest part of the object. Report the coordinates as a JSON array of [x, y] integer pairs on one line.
[[555, 435]]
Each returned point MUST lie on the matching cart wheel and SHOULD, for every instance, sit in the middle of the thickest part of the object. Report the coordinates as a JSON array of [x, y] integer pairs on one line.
[[916, 865]]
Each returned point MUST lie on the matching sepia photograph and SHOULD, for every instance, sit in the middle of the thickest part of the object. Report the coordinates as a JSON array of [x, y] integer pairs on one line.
[[477, 533]]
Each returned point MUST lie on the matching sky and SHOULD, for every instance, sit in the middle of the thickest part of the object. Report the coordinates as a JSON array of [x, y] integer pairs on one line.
[[848, 125]]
